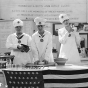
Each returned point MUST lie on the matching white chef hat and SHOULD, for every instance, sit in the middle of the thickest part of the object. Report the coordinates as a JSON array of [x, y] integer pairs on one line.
[[17, 22], [63, 17], [39, 21]]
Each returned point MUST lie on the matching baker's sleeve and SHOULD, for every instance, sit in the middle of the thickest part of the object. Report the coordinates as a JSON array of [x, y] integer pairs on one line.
[[63, 36], [9, 43]]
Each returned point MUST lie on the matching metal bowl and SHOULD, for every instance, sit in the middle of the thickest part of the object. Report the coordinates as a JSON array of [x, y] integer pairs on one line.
[[60, 61]]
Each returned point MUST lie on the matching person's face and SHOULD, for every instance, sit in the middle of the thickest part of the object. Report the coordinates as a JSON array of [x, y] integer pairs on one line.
[[40, 27], [66, 22], [18, 29]]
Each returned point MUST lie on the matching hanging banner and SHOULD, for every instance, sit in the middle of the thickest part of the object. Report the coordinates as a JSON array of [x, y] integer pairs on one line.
[[49, 9]]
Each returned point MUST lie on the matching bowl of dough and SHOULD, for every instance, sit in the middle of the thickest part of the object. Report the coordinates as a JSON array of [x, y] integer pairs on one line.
[[60, 61]]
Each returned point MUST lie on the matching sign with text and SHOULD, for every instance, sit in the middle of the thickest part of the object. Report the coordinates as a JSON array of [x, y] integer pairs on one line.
[[49, 9]]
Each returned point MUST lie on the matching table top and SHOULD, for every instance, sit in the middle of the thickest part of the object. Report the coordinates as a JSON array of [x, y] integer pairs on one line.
[[66, 67], [6, 56]]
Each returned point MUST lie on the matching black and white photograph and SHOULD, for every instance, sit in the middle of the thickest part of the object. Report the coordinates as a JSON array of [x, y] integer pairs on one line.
[[43, 43]]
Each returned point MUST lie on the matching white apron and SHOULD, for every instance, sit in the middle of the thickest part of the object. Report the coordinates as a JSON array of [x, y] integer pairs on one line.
[[68, 48], [42, 50], [20, 57]]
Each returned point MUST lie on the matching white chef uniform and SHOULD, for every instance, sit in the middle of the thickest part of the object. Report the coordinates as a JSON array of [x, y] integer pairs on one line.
[[12, 42], [69, 45], [42, 50]]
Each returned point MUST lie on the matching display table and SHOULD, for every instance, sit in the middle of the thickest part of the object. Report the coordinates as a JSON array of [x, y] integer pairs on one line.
[[68, 76]]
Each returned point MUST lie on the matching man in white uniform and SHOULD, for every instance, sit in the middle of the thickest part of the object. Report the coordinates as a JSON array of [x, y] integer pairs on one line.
[[42, 43], [19, 43], [69, 40]]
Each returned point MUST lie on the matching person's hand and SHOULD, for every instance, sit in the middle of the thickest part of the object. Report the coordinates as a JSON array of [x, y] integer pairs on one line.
[[71, 33], [36, 62], [19, 46], [29, 64], [71, 30], [45, 61]]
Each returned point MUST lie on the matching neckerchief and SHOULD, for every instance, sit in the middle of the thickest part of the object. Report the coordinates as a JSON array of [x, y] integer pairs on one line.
[[19, 41]]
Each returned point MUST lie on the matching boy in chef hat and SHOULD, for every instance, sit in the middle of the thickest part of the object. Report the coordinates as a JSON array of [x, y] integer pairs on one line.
[[19, 43], [70, 40], [42, 43]]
